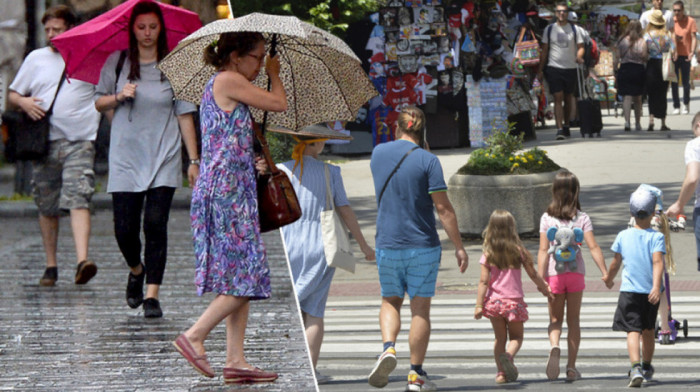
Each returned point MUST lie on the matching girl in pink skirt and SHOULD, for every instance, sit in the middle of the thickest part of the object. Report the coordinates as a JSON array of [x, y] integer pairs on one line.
[[500, 295]]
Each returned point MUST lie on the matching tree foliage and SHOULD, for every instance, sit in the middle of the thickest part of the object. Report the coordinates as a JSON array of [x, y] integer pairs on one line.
[[331, 15]]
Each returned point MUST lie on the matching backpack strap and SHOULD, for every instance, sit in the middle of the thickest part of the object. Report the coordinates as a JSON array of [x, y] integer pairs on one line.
[[118, 69]]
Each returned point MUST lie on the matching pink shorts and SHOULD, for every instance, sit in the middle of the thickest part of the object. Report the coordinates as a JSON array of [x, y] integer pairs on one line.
[[511, 309], [568, 282]]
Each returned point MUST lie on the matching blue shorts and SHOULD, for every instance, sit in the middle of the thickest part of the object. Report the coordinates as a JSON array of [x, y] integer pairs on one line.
[[412, 271]]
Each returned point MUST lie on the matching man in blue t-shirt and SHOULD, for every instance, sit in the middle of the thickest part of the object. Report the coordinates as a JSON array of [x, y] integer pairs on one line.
[[408, 182], [641, 249]]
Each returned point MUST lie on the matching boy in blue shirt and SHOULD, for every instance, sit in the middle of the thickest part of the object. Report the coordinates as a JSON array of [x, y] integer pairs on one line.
[[641, 249]]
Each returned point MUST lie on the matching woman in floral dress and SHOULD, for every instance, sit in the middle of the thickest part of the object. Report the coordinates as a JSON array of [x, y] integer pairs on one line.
[[231, 260]]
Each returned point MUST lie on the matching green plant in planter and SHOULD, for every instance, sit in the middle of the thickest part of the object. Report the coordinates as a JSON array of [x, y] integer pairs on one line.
[[500, 156]]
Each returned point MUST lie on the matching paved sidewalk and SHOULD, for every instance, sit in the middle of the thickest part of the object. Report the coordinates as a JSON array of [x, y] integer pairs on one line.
[[85, 338]]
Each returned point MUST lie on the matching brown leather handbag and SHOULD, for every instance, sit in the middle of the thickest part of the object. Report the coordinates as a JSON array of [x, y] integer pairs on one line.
[[277, 202]]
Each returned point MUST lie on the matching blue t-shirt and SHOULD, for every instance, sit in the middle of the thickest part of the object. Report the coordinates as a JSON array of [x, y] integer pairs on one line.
[[405, 218], [637, 247]]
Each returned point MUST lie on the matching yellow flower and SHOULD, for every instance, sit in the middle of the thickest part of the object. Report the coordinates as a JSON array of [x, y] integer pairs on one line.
[[530, 156], [510, 159], [524, 160], [516, 164], [539, 162]]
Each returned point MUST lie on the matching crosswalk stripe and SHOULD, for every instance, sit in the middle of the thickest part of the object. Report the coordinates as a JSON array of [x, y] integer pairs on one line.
[[354, 326]]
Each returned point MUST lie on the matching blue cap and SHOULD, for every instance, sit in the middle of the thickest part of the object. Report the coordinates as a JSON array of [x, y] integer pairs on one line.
[[642, 203]]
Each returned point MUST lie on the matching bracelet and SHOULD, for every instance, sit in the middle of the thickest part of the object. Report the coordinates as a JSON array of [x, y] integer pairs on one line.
[[479, 307], [194, 162]]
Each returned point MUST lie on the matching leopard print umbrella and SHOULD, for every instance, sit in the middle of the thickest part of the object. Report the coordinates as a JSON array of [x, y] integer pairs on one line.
[[322, 77]]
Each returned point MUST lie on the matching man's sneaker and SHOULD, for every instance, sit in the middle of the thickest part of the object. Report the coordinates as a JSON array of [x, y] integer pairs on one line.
[[676, 111], [686, 109], [636, 377], [419, 383], [648, 374], [386, 364], [50, 277], [561, 135]]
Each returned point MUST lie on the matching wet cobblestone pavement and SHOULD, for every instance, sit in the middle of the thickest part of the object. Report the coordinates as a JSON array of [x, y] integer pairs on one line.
[[85, 338]]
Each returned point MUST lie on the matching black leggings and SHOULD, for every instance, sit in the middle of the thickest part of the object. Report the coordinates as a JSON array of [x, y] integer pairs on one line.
[[127, 207]]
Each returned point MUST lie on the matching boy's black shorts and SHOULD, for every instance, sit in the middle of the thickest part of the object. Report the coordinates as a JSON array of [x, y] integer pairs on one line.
[[634, 313]]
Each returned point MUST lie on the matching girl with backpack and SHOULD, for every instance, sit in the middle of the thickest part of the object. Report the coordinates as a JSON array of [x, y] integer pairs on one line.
[[567, 285]]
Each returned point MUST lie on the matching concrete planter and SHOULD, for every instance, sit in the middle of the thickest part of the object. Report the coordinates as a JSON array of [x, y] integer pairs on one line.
[[475, 197]]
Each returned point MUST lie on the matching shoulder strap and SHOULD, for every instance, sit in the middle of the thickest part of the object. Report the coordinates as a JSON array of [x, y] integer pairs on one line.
[[60, 83], [392, 174], [330, 205], [118, 69]]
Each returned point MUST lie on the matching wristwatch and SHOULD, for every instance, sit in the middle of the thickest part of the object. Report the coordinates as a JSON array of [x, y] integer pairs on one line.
[[194, 162]]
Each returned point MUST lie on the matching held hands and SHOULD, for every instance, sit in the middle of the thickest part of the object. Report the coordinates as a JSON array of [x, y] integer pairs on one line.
[[609, 282], [654, 296], [546, 290], [462, 259], [30, 105], [272, 65]]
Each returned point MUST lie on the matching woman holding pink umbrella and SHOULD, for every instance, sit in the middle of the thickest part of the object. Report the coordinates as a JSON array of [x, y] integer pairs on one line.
[[231, 259], [144, 157]]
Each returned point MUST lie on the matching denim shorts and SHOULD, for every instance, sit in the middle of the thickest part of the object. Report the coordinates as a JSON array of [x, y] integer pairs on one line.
[[412, 271], [65, 179]]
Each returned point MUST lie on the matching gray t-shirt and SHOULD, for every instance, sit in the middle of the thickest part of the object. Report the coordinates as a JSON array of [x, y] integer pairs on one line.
[[562, 49], [144, 149]]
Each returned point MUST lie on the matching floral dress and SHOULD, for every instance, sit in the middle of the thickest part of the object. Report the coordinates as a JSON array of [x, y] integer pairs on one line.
[[229, 250]]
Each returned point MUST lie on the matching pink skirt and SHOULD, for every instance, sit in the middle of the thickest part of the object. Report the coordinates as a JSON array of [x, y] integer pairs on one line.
[[511, 309]]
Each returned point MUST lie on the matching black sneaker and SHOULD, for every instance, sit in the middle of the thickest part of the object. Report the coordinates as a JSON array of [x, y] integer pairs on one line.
[[648, 373], [561, 135], [85, 271], [134, 289], [151, 308], [50, 277]]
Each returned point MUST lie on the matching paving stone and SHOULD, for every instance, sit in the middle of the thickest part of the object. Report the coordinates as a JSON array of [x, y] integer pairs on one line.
[[85, 338]]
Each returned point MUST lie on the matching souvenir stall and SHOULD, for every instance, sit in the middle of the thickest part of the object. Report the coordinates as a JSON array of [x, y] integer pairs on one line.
[[455, 59], [452, 59]]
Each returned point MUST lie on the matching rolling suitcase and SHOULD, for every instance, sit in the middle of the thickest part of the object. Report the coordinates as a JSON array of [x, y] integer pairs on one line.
[[588, 109]]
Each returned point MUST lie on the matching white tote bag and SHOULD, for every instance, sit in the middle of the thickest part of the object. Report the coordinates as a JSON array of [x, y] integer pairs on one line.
[[336, 243]]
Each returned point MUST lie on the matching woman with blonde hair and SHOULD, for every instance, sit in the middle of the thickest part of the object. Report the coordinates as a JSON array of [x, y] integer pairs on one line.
[[659, 41], [631, 54]]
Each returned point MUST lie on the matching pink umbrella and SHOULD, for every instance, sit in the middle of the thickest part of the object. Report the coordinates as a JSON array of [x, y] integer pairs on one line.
[[86, 47]]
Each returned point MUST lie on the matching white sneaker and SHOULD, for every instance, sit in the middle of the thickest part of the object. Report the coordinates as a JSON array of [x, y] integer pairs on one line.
[[686, 110], [676, 111], [384, 366], [418, 383]]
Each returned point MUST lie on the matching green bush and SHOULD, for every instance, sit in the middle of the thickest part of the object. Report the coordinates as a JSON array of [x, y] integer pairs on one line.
[[500, 157], [281, 146]]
